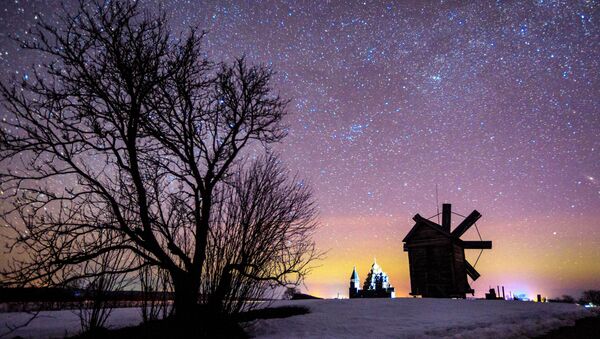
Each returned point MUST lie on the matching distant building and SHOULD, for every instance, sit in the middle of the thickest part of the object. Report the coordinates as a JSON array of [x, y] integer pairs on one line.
[[491, 295], [376, 284]]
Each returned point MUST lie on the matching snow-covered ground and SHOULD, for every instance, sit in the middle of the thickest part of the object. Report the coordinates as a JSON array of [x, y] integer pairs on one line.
[[59, 324], [374, 318], [418, 318]]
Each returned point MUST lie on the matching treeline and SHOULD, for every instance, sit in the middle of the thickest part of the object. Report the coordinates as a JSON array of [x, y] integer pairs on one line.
[[48, 294], [588, 297]]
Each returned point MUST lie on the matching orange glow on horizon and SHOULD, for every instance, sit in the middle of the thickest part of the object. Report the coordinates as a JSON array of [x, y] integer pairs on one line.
[[517, 261]]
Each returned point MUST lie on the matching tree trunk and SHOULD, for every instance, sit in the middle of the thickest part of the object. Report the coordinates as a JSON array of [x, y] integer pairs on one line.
[[216, 301], [186, 298]]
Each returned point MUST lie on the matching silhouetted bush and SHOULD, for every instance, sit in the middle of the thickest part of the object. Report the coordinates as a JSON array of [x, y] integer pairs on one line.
[[591, 296]]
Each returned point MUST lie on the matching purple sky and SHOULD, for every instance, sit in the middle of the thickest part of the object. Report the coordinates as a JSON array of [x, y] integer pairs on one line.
[[495, 102]]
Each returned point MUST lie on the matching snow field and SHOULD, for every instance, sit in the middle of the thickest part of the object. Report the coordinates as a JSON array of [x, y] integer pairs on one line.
[[357, 318]]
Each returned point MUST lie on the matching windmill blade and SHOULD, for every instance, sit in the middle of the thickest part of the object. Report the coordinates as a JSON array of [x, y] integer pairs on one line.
[[471, 271], [466, 224], [477, 245]]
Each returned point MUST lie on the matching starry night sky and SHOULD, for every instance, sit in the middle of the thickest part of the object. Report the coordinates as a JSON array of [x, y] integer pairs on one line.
[[498, 103]]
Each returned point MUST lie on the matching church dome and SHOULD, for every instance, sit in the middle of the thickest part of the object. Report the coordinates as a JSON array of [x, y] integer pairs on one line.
[[377, 278], [375, 268]]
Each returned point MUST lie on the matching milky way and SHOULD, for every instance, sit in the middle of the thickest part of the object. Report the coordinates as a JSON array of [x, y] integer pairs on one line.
[[497, 103]]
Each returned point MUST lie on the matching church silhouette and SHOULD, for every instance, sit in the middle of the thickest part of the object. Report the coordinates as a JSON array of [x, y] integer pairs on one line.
[[376, 284]]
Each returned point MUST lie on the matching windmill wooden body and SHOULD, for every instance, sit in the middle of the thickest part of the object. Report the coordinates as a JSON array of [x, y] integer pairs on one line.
[[436, 255]]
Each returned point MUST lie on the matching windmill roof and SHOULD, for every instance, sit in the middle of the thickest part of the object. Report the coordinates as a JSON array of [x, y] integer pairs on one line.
[[422, 222]]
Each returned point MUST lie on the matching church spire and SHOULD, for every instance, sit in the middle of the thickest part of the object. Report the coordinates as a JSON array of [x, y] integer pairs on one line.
[[354, 276]]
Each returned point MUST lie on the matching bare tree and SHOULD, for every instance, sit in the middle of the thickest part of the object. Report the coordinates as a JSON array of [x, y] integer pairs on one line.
[[126, 141], [98, 287], [261, 238]]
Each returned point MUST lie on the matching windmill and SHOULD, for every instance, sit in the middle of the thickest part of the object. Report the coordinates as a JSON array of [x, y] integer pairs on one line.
[[436, 256]]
